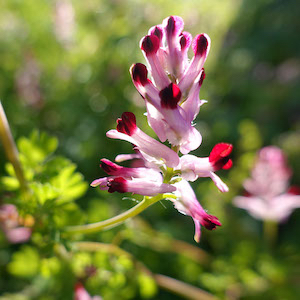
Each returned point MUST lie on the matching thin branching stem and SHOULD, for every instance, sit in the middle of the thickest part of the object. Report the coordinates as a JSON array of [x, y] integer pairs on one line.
[[114, 221]]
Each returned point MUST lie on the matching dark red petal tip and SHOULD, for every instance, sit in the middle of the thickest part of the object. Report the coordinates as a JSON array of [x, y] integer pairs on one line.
[[157, 31], [139, 74], [174, 25], [170, 96], [210, 222], [171, 25], [185, 40], [202, 77], [117, 185], [150, 44], [219, 156], [109, 167], [200, 44], [127, 124]]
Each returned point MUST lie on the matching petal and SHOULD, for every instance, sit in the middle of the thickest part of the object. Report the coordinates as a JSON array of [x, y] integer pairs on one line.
[[192, 104], [139, 186], [201, 46], [124, 157], [219, 183], [150, 45], [155, 149], [127, 123], [156, 122], [219, 156], [101, 182], [173, 27], [114, 134]]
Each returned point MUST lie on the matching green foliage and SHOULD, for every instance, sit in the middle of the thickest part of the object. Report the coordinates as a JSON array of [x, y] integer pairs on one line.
[[25, 262]]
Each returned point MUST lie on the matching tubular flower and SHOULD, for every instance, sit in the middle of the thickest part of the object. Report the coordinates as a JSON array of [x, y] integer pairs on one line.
[[170, 87], [268, 194], [193, 167], [188, 204]]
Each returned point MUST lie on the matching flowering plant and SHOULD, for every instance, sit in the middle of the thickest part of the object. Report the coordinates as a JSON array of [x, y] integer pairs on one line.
[[171, 96]]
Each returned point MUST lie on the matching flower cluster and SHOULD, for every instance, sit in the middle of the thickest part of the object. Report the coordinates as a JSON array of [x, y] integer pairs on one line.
[[170, 87], [269, 196]]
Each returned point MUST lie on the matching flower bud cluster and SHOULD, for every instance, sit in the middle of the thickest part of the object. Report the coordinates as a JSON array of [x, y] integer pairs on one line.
[[170, 87]]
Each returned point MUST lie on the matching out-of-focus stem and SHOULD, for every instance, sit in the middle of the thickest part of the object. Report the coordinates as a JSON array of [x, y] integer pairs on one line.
[[115, 221], [181, 288], [270, 232], [10, 148]]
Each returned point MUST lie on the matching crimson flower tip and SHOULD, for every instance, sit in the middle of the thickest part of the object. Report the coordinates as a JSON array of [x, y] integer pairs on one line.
[[127, 123], [157, 31], [219, 156], [170, 96], [150, 44], [139, 73], [210, 222], [202, 77], [173, 25], [108, 166], [117, 185], [200, 44]]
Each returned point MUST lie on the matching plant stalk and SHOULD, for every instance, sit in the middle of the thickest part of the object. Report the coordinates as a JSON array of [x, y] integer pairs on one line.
[[114, 221], [10, 148]]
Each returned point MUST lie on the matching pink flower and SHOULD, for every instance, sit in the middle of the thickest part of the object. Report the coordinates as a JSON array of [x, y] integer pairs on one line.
[[82, 294], [188, 204], [9, 223], [268, 195], [171, 95]]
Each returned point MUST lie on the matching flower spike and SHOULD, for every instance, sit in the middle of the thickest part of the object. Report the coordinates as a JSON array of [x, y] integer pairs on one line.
[[169, 84]]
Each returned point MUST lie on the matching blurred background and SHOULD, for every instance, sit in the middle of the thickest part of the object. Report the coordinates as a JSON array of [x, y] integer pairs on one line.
[[65, 70]]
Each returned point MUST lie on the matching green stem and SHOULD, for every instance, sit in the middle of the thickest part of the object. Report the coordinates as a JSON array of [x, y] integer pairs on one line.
[[115, 221], [270, 232], [10, 148]]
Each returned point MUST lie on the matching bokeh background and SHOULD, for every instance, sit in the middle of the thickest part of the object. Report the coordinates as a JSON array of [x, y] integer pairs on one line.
[[65, 70]]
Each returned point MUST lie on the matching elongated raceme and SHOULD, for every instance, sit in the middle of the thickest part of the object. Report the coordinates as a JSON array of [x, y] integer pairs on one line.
[[170, 87]]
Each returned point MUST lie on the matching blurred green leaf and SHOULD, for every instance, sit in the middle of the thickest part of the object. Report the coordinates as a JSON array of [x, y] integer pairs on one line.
[[25, 262]]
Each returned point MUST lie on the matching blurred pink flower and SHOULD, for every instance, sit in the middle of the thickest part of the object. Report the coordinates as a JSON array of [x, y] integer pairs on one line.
[[9, 223], [27, 81], [64, 21], [82, 294], [268, 194]]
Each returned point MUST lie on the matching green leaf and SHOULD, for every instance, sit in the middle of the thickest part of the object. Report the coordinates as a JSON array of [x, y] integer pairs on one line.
[[69, 183], [147, 285], [44, 192], [37, 148], [10, 183], [25, 263]]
